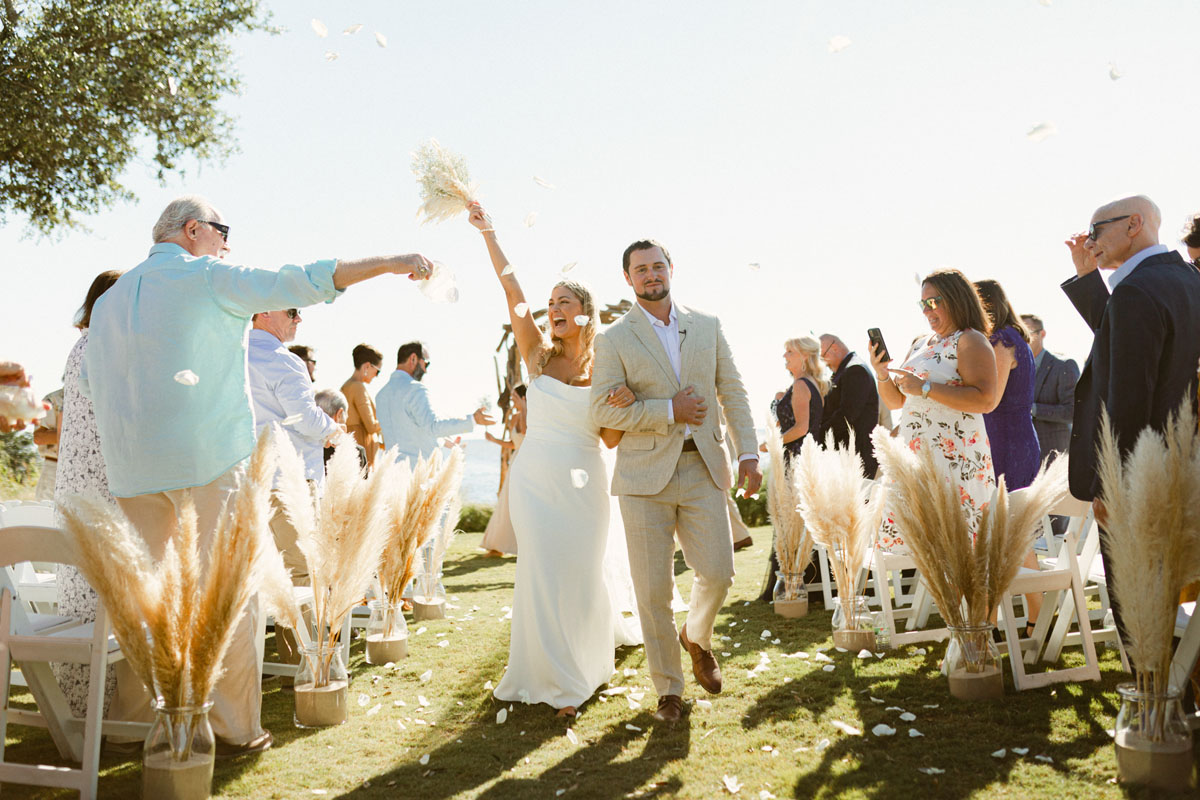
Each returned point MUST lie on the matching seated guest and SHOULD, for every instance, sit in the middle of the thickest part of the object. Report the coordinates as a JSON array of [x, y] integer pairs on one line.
[[361, 420], [852, 403], [333, 403], [309, 356], [183, 430], [943, 387]]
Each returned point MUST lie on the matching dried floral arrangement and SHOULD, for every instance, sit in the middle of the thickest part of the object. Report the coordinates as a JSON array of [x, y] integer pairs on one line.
[[446, 188], [793, 543]]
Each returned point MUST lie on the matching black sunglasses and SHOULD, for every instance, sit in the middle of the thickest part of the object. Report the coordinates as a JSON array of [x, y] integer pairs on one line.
[[1092, 232], [221, 229], [292, 314]]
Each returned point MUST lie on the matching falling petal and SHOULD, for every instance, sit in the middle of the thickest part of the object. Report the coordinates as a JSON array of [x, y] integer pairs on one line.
[[582, 320], [931, 770], [828, 667], [1113, 73], [422, 701], [380, 39], [731, 784], [908, 716], [292, 420], [845, 727], [501, 716], [1041, 131], [353, 29], [426, 675], [914, 733], [839, 43], [754, 265], [172, 85], [865, 654], [423, 760], [579, 478], [375, 709], [187, 377], [630, 727], [883, 729], [572, 737], [1001, 753], [489, 686], [508, 270], [545, 184], [331, 55], [521, 309], [568, 267], [1045, 3], [1020, 750], [531, 219], [319, 28]]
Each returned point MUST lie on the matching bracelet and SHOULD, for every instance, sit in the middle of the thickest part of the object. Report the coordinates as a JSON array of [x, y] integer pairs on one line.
[[487, 230], [884, 379]]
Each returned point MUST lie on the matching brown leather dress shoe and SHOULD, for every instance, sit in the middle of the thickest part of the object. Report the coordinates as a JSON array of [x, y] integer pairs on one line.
[[742, 544], [670, 708], [258, 744], [704, 663]]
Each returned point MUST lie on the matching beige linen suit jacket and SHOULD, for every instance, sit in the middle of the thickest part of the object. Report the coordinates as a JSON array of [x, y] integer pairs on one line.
[[630, 353]]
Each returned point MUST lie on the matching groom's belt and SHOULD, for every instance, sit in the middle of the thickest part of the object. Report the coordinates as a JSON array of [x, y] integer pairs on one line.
[[689, 445]]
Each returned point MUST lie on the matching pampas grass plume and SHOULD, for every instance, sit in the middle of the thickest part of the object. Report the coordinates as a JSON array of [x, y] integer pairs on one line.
[[445, 184], [793, 544]]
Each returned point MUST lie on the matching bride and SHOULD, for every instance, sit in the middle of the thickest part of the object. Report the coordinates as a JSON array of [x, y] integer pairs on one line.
[[562, 642]]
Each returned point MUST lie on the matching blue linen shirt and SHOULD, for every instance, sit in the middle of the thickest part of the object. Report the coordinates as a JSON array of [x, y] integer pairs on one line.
[[407, 419], [176, 312], [281, 390]]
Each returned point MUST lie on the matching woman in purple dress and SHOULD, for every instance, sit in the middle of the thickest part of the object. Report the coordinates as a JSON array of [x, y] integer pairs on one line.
[[1016, 454]]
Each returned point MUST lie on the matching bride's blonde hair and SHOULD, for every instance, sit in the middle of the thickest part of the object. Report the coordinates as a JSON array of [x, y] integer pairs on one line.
[[552, 346]]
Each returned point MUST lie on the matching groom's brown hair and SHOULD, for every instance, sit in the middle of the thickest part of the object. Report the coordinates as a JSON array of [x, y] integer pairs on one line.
[[643, 244]]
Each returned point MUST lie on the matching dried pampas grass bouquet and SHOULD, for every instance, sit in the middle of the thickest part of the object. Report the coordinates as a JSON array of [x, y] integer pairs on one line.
[[446, 188]]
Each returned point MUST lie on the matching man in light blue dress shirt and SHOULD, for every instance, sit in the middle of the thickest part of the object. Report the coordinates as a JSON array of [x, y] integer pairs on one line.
[[167, 375], [406, 416]]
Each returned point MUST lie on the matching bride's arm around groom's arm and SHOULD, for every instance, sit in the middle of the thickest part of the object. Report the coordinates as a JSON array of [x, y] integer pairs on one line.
[[608, 373]]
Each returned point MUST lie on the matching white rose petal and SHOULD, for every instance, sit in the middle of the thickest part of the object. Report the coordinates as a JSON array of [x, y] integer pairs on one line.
[[363, 699], [521, 309], [865, 653], [615, 690], [545, 184], [1020, 750], [579, 478], [630, 727], [1001, 753], [629, 673], [914, 733], [187, 377], [883, 730], [931, 770], [489, 686], [828, 667], [443, 643], [568, 267], [582, 320], [845, 727], [839, 43], [423, 702], [380, 39], [172, 85], [1114, 73], [705, 704], [754, 265], [822, 658], [353, 29], [508, 270], [765, 635], [932, 705], [1041, 131], [375, 709], [1046, 759], [908, 716], [731, 784], [893, 708], [531, 219], [572, 737], [920, 650], [763, 794], [319, 28], [423, 760], [331, 55], [425, 676], [841, 650], [501, 716], [633, 704]]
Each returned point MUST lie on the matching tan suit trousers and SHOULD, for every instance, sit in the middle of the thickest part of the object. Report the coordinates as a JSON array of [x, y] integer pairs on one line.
[[237, 699], [692, 508], [285, 539]]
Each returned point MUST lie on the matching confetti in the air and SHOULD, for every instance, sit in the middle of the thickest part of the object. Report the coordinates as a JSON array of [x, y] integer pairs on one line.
[[839, 43], [521, 309], [353, 29], [319, 28], [187, 377], [545, 184], [568, 267], [579, 478], [754, 265], [508, 270], [1113, 73], [380, 39], [1041, 131], [331, 55], [582, 320], [172, 85], [531, 219]]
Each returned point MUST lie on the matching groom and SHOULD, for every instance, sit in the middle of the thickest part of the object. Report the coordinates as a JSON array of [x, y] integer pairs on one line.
[[672, 473]]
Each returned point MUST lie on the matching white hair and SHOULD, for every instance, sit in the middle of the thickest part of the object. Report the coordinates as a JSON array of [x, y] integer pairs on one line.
[[180, 212], [331, 401]]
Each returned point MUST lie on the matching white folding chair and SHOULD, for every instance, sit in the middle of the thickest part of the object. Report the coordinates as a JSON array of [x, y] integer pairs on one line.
[[1065, 577], [36, 582], [1187, 653], [910, 602], [304, 599], [31, 642]]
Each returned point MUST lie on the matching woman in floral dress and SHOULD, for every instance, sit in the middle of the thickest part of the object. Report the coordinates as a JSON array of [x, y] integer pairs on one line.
[[80, 470], [943, 388]]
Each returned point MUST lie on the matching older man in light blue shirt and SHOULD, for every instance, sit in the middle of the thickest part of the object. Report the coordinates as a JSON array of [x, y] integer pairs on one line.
[[167, 375], [406, 416]]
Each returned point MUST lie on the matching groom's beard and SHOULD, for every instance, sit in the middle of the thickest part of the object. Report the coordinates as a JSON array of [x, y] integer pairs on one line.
[[661, 293]]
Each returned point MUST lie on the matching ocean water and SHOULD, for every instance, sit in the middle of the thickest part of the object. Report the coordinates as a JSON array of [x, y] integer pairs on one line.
[[481, 472]]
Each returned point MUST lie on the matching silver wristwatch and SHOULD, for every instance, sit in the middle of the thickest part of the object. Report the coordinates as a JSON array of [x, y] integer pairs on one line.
[[925, 387]]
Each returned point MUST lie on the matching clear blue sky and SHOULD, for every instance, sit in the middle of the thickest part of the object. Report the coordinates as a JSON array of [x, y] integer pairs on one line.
[[728, 131]]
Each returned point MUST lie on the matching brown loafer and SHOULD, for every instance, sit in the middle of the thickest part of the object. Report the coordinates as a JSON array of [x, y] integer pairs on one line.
[[258, 744], [670, 708], [704, 663], [742, 544]]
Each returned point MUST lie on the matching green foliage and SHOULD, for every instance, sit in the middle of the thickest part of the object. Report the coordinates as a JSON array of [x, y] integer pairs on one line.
[[84, 84], [18, 458], [753, 509], [474, 518]]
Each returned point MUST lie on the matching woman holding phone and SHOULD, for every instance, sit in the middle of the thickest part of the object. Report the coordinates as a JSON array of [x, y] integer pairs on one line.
[[944, 386]]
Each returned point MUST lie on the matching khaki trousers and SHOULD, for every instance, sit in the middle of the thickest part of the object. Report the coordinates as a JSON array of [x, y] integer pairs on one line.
[[285, 539], [237, 699], [692, 508]]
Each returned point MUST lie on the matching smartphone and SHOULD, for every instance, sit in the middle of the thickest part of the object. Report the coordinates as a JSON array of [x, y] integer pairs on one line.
[[877, 343]]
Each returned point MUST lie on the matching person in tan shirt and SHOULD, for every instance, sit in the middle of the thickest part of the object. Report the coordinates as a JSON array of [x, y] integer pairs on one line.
[[361, 420]]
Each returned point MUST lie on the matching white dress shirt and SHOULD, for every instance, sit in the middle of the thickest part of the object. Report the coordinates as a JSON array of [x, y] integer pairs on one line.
[[280, 389], [668, 335], [1122, 272], [408, 421]]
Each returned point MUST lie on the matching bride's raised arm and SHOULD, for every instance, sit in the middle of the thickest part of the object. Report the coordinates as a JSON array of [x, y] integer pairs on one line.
[[525, 330]]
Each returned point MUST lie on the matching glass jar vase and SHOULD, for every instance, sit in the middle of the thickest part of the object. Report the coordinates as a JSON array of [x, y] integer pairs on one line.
[[853, 624], [387, 633], [790, 598], [1154, 744], [429, 595], [321, 688], [177, 760], [973, 664]]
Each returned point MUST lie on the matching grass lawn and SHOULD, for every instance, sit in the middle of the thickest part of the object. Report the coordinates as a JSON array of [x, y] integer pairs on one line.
[[772, 731]]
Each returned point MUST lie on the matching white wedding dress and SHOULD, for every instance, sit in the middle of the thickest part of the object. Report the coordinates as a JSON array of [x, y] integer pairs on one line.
[[563, 622]]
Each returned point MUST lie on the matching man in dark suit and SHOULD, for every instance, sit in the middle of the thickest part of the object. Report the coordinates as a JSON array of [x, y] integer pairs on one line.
[[852, 403], [1147, 343], [1053, 391]]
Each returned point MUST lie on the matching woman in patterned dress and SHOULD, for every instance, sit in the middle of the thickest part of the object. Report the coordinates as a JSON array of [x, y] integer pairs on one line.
[[80, 470], [943, 388]]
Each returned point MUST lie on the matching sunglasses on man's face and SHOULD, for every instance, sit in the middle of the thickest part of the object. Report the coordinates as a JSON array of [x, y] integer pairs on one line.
[[219, 228], [292, 313], [930, 303], [1093, 229]]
